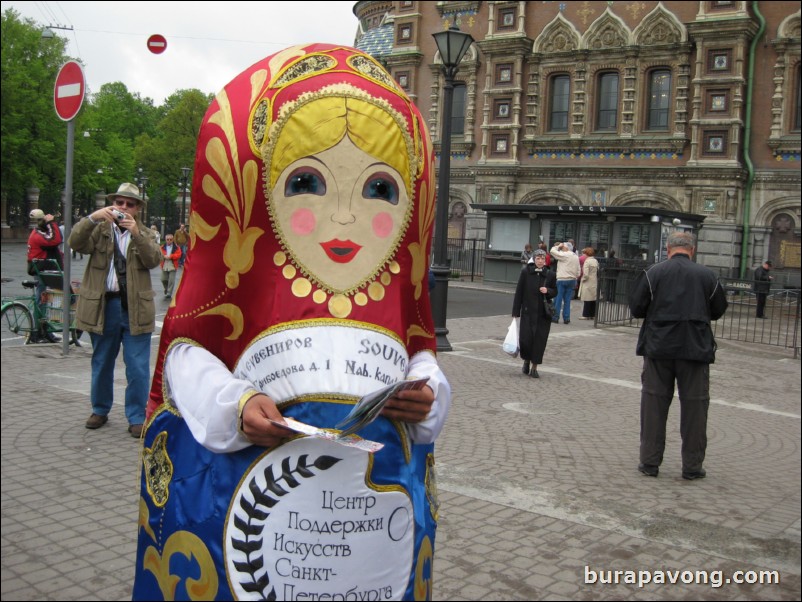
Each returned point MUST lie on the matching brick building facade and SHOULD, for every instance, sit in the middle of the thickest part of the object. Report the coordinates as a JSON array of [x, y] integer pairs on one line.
[[559, 107]]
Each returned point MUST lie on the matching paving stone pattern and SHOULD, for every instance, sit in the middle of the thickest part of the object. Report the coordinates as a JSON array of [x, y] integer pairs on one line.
[[537, 478]]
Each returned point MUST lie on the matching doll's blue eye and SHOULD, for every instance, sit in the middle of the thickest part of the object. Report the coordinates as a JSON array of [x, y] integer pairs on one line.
[[305, 181], [382, 187]]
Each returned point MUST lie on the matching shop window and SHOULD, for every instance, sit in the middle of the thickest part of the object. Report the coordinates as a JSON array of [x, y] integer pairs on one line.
[[559, 103], [595, 236], [659, 99], [561, 231], [607, 102], [634, 241], [508, 233]]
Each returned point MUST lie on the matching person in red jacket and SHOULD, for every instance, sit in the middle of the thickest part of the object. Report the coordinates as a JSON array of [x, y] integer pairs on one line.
[[171, 256], [43, 243], [44, 240]]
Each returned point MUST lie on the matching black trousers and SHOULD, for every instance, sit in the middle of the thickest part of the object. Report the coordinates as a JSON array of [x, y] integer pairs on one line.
[[693, 384], [761, 304]]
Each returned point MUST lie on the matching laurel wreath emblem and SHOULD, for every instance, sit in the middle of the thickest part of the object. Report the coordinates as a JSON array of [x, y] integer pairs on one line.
[[257, 512]]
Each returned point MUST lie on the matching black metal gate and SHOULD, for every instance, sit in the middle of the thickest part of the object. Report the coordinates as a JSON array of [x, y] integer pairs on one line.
[[781, 327], [466, 257]]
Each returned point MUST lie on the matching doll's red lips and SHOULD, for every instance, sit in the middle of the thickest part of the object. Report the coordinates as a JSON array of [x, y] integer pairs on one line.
[[341, 251]]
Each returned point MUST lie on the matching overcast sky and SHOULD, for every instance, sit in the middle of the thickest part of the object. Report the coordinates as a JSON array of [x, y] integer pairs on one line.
[[208, 43]]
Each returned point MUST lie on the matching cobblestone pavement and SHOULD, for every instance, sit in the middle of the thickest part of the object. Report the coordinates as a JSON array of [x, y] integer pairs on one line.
[[538, 483]]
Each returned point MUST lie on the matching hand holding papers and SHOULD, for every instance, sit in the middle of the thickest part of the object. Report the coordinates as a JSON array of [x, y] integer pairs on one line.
[[369, 406], [363, 413]]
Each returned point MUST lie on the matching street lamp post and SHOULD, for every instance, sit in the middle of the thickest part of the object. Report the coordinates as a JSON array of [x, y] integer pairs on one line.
[[185, 171], [452, 44], [143, 182]]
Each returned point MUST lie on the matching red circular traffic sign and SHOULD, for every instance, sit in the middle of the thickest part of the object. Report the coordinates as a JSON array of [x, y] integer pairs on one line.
[[68, 95], [157, 43]]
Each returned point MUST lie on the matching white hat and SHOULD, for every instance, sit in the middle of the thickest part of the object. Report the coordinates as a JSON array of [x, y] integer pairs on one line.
[[127, 190], [36, 215]]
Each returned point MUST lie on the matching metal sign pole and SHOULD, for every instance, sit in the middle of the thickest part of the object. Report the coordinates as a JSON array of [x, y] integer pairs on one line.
[[66, 301]]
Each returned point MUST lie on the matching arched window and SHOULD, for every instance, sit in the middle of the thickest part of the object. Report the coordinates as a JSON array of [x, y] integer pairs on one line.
[[607, 102], [659, 99], [458, 109], [559, 103]]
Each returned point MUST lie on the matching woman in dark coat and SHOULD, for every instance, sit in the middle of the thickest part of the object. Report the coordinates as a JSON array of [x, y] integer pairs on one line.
[[535, 284]]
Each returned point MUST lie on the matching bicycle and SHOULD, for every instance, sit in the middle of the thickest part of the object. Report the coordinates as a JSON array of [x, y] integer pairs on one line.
[[22, 316]]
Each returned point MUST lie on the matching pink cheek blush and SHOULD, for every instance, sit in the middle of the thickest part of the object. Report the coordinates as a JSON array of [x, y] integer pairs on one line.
[[303, 222], [382, 225]]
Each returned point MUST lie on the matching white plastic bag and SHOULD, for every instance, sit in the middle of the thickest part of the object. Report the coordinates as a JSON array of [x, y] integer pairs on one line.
[[510, 345]]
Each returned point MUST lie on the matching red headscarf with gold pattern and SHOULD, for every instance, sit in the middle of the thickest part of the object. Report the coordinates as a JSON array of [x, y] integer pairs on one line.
[[312, 199]]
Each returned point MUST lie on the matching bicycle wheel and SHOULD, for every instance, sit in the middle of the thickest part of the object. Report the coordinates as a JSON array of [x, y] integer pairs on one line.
[[17, 322]]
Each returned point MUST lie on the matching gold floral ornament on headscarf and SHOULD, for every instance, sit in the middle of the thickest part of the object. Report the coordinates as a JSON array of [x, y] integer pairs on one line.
[[316, 203]]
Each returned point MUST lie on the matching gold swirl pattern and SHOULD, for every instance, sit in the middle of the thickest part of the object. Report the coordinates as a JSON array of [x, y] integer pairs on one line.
[[190, 546], [424, 570], [235, 191], [234, 315], [144, 518]]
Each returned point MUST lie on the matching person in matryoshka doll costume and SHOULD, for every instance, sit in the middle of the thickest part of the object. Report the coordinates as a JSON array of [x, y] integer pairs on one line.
[[304, 289]]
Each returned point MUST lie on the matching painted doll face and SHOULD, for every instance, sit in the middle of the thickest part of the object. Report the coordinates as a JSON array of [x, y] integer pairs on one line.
[[340, 213]]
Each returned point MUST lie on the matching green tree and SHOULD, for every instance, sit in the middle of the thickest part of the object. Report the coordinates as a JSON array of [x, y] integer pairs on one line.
[[171, 147], [119, 136], [33, 138]]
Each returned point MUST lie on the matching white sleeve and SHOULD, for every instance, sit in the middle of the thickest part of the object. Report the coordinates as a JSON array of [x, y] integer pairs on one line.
[[425, 364], [207, 394]]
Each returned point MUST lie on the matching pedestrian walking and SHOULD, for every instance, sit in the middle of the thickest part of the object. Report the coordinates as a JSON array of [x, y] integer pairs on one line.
[[537, 284], [181, 238], [171, 255]]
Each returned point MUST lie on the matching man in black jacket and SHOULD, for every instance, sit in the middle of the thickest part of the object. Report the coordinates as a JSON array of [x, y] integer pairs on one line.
[[677, 299], [762, 286]]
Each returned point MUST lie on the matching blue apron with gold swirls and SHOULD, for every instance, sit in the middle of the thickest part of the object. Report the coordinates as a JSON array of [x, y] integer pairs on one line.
[[310, 518]]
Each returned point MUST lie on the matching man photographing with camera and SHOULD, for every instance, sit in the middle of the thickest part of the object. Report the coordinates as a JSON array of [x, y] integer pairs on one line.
[[116, 302]]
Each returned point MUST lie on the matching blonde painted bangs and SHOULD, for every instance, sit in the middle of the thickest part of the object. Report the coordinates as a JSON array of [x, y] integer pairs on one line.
[[320, 124]]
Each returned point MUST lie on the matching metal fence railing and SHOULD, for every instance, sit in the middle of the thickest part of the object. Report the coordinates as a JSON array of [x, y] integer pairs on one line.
[[780, 328], [466, 256]]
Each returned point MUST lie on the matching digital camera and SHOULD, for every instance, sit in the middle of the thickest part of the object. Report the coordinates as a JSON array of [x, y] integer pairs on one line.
[[118, 215]]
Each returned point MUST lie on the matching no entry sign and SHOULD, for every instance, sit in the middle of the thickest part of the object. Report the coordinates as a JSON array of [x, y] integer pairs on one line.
[[68, 95], [157, 43]]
